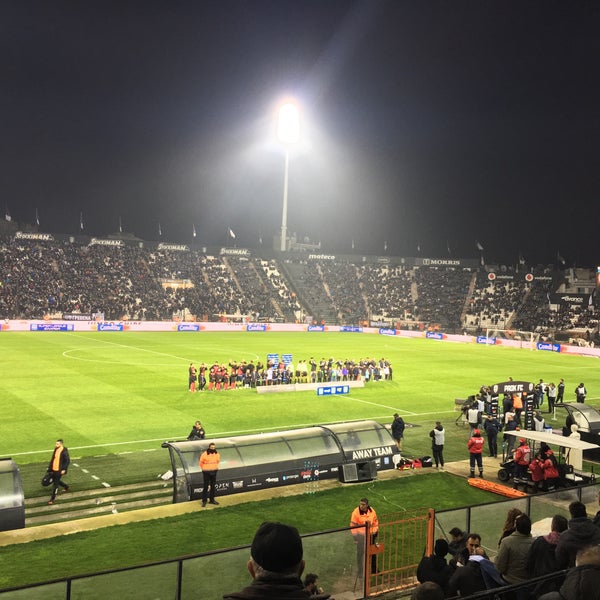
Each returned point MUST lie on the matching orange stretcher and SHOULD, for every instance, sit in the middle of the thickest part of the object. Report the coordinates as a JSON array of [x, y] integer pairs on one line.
[[496, 488]]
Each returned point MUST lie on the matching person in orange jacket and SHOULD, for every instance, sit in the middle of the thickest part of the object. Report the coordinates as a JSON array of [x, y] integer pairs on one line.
[[209, 464], [364, 514]]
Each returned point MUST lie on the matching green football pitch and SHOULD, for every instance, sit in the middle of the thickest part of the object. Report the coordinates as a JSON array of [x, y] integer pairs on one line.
[[115, 397]]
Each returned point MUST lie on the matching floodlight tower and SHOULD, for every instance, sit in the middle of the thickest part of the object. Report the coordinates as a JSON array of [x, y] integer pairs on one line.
[[288, 132]]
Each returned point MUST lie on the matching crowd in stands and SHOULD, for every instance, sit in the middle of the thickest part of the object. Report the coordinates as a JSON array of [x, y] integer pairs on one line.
[[563, 562], [51, 278]]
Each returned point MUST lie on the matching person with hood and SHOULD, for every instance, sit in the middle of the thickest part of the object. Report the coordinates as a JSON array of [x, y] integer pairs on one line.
[[581, 533], [583, 581], [275, 565], [438, 436], [541, 559], [435, 568], [475, 447]]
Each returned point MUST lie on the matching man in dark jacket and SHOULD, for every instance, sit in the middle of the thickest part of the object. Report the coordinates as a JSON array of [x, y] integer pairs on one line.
[[398, 426], [541, 559], [583, 581], [581, 533], [471, 578], [275, 565], [435, 568], [492, 428], [59, 463]]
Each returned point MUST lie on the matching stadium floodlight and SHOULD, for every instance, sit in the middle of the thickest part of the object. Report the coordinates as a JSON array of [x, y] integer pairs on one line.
[[288, 132]]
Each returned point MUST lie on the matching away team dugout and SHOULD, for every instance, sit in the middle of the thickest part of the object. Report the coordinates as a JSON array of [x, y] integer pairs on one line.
[[352, 451]]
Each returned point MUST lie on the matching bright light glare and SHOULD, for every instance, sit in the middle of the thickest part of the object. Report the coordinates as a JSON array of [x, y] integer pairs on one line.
[[289, 124]]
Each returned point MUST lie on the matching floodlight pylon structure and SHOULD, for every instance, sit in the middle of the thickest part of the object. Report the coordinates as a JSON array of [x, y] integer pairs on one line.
[[288, 132]]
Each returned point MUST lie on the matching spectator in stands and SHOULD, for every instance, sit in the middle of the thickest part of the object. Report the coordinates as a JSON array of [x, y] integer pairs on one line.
[[427, 591], [471, 578], [311, 584], [513, 551], [458, 541], [276, 565], [510, 523], [581, 533], [435, 568], [541, 559], [583, 581]]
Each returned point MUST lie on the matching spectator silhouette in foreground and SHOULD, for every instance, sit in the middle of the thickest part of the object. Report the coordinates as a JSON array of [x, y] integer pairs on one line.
[[276, 565], [583, 581], [427, 591], [581, 533], [435, 568]]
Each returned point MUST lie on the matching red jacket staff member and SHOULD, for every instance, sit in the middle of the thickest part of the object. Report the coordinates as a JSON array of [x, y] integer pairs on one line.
[[209, 463], [362, 515], [475, 446]]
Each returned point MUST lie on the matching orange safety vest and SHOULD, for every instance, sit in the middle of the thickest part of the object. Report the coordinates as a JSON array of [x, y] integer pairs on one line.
[[209, 462], [359, 518]]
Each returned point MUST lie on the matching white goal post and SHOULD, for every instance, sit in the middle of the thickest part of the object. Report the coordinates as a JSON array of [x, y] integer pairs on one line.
[[526, 339]]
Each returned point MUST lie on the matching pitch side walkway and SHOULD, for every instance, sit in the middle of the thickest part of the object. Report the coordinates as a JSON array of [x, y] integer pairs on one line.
[[41, 532]]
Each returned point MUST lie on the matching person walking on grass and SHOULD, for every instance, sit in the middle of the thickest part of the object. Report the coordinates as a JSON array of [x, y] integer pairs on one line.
[[59, 463]]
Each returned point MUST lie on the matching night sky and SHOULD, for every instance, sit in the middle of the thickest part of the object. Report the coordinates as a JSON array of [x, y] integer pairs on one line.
[[425, 124]]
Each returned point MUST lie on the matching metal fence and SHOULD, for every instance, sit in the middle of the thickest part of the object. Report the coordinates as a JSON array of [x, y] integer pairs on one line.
[[404, 538]]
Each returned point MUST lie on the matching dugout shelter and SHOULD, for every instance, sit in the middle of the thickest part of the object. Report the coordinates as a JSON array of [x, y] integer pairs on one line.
[[351, 451], [12, 498]]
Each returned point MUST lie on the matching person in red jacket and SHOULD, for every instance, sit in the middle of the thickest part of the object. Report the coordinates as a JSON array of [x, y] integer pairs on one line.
[[550, 467], [475, 446]]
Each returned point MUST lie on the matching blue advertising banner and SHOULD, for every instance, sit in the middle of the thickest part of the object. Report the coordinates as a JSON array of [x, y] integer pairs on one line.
[[256, 327], [332, 390], [386, 331], [434, 335], [110, 326], [188, 327], [482, 339], [51, 327], [351, 329], [315, 328], [286, 358], [549, 346]]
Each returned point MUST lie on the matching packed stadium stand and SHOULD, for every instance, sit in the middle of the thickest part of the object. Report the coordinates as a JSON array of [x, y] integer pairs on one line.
[[139, 281]]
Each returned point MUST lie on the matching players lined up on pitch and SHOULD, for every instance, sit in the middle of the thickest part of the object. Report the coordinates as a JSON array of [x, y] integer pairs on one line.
[[218, 376]]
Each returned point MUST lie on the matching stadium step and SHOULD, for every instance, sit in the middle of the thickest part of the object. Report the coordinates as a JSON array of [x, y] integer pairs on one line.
[[73, 505]]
